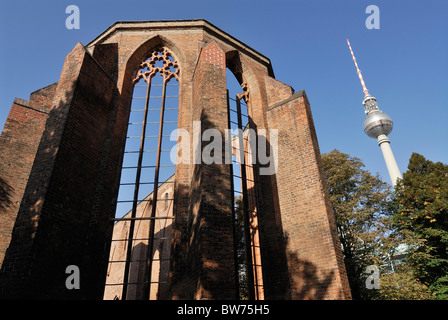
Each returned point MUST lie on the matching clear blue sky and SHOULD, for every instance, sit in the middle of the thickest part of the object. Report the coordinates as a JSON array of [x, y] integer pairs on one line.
[[404, 63]]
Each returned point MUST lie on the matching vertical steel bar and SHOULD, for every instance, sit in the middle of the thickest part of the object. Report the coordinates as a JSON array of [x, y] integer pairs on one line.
[[247, 233], [147, 289], [248, 166], [232, 188], [136, 190]]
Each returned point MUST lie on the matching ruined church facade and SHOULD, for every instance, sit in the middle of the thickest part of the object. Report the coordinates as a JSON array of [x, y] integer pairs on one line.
[[86, 168]]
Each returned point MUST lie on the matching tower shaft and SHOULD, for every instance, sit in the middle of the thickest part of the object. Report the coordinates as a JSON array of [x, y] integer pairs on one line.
[[392, 167]]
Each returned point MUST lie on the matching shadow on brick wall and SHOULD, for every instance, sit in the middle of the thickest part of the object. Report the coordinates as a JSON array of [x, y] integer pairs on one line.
[[6, 192], [286, 276], [307, 281], [54, 226], [20, 256], [209, 248]]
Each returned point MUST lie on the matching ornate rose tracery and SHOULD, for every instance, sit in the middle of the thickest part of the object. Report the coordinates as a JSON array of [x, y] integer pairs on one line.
[[168, 68]]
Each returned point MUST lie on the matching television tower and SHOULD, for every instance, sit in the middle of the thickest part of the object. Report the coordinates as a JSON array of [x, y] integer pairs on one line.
[[378, 125]]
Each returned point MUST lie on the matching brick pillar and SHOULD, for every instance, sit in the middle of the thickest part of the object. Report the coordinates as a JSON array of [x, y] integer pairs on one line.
[[314, 259], [209, 253], [18, 145], [55, 226]]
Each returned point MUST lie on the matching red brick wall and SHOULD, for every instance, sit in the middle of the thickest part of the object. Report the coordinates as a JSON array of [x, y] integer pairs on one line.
[[18, 145], [314, 258], [55, 217], [210, 254]]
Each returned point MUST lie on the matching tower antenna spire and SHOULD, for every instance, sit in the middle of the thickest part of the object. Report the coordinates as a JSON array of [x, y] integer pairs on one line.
[[364, 88], [378, 125]]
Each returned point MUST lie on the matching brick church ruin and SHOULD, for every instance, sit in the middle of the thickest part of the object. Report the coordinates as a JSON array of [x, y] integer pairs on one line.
[[90, 177]]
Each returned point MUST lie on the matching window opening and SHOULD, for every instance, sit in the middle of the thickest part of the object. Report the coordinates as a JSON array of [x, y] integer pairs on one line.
[[247, 244], [146, 170], [166, 201]]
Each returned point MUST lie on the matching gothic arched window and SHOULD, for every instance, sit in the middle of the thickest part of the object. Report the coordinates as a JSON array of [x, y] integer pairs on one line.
[[146, 161]]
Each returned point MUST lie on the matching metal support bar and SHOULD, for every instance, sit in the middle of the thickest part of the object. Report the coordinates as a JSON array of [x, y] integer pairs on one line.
[[156, 97], [131, 184], [142, 218], [135, 137], [150, 200], [121, 261], [147, 287], [159, 85], [147, 151], [153, 122], [247, 235], [235, 240], [133, 283], [140, 239]]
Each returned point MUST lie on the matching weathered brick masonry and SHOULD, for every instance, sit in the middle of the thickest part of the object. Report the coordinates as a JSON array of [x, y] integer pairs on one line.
[[18, 144], [60, 163]]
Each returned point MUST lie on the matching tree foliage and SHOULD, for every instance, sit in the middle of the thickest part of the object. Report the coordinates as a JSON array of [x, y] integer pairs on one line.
[[402, 285], [361, 205], [373, 222], [421, 220]]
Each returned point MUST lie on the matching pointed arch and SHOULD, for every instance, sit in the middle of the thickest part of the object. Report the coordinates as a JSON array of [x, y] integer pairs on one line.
[[145, 50]]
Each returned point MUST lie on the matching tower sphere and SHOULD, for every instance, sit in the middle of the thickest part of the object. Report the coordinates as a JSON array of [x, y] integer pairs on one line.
[[376, 123]]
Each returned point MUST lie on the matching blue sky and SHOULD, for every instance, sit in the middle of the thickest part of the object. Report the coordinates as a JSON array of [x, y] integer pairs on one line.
[[404, 63]]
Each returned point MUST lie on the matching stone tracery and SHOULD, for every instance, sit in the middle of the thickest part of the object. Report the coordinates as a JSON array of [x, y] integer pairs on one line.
[[169, 69]]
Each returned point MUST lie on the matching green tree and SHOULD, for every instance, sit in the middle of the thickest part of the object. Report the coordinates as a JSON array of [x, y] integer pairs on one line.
[[421, 220], [402, 285], [361, 205]]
